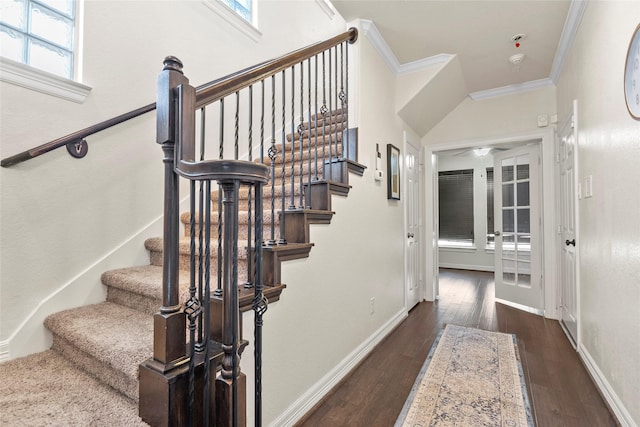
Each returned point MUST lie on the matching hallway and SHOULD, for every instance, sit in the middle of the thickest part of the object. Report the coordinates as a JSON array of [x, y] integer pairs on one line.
[[560, 390]]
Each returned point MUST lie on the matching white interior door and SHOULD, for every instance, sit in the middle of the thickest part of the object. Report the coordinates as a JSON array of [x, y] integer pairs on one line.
[[568, 259], [413, 225], [517, 227]]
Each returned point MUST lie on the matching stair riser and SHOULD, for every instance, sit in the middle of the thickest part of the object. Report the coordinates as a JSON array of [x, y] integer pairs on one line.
[[335, 151], [142, 303], [326, 130], [184, 262], [105, 373]]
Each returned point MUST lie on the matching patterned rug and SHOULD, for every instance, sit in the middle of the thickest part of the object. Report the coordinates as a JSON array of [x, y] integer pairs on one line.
[[470, 378]]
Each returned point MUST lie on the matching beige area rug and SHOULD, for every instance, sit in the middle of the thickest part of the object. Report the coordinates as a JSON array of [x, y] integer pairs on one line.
[[470, 378]]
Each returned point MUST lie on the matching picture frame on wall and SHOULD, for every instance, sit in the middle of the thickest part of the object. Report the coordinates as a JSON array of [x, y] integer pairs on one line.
[[393, 172]]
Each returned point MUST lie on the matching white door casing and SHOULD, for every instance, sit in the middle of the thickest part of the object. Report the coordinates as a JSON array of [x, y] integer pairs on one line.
[[518, 228], [569, 301], [413, 225]]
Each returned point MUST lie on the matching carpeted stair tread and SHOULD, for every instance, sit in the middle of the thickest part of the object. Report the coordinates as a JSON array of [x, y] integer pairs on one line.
[[144, 280], [47, 389], [118, 336], [156, 244]]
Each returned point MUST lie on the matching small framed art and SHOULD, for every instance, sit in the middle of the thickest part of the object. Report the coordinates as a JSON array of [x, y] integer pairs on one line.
[[393, 172]]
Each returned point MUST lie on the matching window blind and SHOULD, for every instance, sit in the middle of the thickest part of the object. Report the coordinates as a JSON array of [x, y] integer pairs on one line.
[[455, 198]]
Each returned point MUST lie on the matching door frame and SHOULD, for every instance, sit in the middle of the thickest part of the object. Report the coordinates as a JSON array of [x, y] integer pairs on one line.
[[549, 237], [421, 213]]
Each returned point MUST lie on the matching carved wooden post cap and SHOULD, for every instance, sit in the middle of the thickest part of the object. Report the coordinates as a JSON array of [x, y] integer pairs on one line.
[[172, 63]]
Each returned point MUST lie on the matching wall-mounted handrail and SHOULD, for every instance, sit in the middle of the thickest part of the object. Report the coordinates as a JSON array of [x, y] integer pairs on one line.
[[80, 135]]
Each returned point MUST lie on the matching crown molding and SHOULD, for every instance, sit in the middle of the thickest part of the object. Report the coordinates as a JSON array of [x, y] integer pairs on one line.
[[327, 8], [511, 89], [571, 24], [370, 30], [421, 64]]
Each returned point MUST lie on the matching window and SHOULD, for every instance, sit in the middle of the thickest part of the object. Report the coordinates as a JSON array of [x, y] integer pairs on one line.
[[455, 196], [490, 229], [39, 33], [241, 7]]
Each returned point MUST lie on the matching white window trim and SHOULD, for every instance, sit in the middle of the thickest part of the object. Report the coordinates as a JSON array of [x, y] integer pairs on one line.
[[41, 81], [247, 28]]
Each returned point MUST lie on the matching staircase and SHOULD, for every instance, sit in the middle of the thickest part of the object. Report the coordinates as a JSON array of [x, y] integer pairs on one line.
[[111, 339]]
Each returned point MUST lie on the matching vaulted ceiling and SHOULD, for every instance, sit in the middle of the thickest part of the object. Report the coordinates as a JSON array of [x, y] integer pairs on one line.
[[478, 32]]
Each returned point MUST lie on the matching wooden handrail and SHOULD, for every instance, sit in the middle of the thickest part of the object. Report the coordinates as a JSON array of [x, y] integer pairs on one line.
[[227, 86]]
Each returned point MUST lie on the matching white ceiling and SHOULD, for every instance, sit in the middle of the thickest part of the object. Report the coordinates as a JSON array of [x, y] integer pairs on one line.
[[479, 32]]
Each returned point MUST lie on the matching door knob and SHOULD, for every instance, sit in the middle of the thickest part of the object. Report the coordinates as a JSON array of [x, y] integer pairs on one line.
[[410, 235], [570, 242], [496, 233]]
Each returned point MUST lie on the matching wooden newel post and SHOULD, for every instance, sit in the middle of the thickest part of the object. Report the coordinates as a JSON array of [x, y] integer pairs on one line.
[[162, 378]]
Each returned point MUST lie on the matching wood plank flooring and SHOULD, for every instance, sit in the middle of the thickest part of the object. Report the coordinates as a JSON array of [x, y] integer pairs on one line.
[[560, 389]]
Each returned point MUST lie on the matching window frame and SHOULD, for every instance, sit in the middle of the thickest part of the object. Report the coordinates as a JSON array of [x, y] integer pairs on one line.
[[39, 80], [249, 29]]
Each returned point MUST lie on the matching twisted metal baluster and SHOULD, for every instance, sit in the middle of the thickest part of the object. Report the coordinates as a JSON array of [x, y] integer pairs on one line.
[[192, 306], [259, 308], [235, 323], [346, 101], [337, 113], [282, 240], [315, 132], [262, 122], [237, 126], [292, 203], [201, 207], [343, 98], [248, 284], [207, 305], [309, 133], [325, 121], [301, 131], [323, 111], [218, 291], [272, 153]]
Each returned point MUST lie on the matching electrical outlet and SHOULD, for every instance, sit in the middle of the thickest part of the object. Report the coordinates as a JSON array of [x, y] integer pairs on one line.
[[372, 305]]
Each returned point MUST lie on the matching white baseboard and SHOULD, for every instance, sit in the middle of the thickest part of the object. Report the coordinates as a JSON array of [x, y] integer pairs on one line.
[[614, 402], [312, 396], [4, 350], [466, 267]]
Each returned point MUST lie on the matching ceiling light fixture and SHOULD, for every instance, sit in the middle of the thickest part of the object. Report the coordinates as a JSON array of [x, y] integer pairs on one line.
[[481, 152]]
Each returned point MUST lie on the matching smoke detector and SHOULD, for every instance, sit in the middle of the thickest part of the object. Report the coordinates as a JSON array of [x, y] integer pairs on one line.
[[518, 38]]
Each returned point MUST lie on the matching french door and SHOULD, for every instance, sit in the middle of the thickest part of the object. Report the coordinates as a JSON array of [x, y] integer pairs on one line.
[[413, 223], [517, 227]]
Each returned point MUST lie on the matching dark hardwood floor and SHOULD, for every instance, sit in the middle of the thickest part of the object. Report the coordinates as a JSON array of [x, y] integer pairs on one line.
[[560, 389]]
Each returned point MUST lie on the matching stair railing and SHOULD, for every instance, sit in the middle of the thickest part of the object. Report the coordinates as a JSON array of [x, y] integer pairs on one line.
[[176, 386]]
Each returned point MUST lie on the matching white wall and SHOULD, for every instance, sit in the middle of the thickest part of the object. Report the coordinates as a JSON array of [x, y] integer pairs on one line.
[[609, 150], [322, 325], [62, 218], [478, 257]]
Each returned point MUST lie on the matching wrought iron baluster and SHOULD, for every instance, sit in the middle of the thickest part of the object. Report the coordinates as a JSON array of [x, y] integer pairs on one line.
[[343, 98], [282, 240], [237, 127], [329, 116], [301, 132], [323, 111], [309, 132], [262, 122], [346, 101], [259, 307], [336, 112], [207, 306], [248, 284], [218, 291], [192, 306], [315, 132], [272, 153], [292, 203], [201, 210]]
